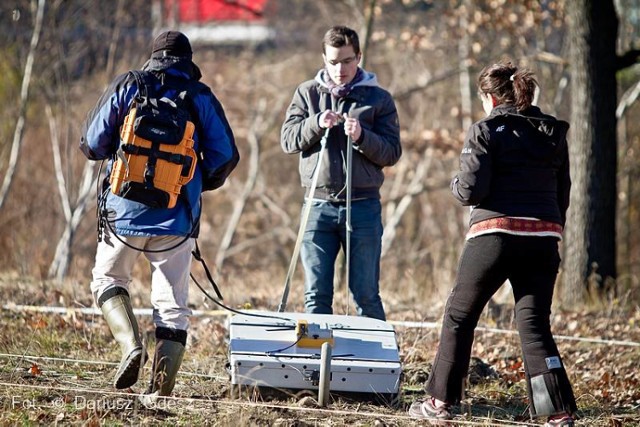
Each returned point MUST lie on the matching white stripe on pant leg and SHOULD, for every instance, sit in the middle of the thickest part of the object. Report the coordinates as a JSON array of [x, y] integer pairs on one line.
[[114, 263], [170, 281]]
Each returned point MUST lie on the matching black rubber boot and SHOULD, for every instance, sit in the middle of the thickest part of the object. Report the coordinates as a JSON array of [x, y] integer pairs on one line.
[[170, 347]]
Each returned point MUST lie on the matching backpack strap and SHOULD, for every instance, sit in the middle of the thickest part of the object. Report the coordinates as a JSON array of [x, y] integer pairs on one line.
[[188, 91], [191, 90], [146, 90], [142, 84], [156, 153], [148, 97]]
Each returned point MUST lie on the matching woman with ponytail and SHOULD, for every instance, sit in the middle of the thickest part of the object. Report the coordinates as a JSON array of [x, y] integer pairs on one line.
[[514, 175]]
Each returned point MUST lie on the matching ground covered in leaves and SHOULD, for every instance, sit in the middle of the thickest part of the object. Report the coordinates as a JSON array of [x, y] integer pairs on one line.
[[57, 368]]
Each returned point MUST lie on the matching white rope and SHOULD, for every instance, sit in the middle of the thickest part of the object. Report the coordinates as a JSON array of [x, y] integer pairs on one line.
[[434, 325], [57, 359], [61, 403], [96, 311], [404, 324], [31, 358]]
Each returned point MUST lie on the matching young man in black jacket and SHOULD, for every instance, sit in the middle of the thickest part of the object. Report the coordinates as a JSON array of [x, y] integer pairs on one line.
[[345, 105]]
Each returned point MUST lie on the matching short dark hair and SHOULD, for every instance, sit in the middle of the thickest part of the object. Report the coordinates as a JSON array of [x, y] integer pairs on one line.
[[340, 36]]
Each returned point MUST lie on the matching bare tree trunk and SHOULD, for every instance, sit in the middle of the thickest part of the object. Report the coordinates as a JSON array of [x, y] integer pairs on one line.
[[241, 200], [626, 166], [463, 58], [24, 97], [60, 265], [590, 250], [115, 35], [366, 32], [62, 258], [415, 187], [260, 125], [57, 164]]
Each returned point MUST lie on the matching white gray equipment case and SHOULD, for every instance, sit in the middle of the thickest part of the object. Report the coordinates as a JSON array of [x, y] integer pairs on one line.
[[283, 350], [323, 352]]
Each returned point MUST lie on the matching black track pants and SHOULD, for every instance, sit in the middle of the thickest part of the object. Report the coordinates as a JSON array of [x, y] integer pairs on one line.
[[531, 265]]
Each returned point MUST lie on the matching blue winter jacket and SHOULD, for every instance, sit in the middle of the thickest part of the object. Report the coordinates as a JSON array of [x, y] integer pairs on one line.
[[213, 141]]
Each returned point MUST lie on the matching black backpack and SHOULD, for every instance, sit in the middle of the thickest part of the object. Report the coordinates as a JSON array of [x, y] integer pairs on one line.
[[156, 157]]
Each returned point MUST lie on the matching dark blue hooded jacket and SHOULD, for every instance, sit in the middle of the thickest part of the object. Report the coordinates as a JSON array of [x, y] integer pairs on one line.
[[213, 141]]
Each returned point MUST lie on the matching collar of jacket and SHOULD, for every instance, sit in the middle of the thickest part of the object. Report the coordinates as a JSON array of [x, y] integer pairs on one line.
[[357, 93], [183, 65], [503, 109]]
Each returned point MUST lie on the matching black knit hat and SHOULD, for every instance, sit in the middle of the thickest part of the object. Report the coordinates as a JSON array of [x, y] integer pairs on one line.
[[172, 43]]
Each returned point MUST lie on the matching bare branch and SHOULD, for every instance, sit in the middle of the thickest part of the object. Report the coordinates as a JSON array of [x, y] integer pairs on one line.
[[368, 29], [415, 187], [60, 264], [248, 243], [627, 59], [628, 98], [273, 207], [24, 96], [463, 60], [240, 202], [57, 163], [260, 124], [406, 93]]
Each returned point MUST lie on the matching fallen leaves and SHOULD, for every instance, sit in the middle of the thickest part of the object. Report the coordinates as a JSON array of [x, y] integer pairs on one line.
[[35, 370], [38, 322], [604, 376], [606, 373]]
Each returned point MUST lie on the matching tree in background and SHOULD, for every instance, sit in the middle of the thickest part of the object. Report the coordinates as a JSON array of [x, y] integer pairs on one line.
[[590, 244], [425, 52]]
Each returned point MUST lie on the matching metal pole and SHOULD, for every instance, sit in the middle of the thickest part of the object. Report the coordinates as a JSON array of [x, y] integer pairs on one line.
[[324, 386], [303, 224], [348, 220]]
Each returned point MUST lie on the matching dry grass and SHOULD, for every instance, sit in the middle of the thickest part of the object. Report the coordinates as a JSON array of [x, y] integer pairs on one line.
[[58, 368]]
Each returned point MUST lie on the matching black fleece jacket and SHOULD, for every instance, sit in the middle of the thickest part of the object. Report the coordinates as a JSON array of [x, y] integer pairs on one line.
[[515, 163]]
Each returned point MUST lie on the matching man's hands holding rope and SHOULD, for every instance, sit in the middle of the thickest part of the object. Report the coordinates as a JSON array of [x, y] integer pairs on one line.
[[352, 128]]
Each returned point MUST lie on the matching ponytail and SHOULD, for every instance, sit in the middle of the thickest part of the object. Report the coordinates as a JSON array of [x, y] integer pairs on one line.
[[524, 88], [508, 84]]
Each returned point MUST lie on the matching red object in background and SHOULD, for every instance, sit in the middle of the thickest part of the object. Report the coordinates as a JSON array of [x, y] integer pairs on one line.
[[201, 11]]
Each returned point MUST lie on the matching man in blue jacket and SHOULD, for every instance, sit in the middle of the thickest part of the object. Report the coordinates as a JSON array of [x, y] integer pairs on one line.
[[166, 236]]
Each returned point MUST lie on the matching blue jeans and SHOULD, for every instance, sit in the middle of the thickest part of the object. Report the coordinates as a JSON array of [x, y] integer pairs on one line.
[[324, 236]]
